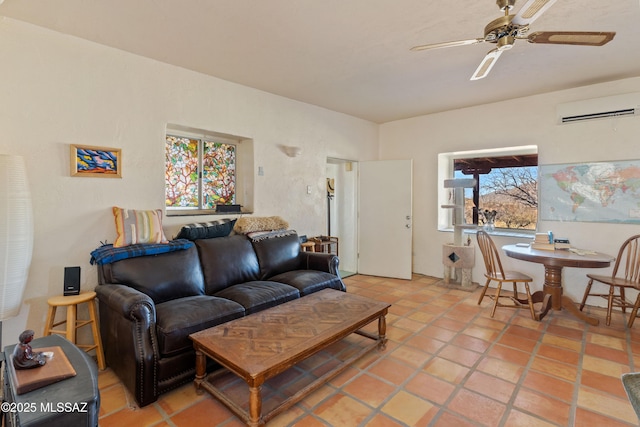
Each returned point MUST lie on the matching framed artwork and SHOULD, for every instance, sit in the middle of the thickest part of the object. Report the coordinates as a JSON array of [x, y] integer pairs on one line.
[[91, 161]]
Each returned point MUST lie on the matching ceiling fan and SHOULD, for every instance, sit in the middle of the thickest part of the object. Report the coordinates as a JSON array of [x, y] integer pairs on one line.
[[505, 30]]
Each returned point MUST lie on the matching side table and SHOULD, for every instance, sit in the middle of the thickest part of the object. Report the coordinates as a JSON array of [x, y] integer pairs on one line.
[[71, 402]]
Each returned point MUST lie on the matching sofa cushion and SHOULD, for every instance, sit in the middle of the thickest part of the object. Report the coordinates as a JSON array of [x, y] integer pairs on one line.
[[178, 318], [227, 261], [277, 255], [309, 281], [259, 295], [163, 277]]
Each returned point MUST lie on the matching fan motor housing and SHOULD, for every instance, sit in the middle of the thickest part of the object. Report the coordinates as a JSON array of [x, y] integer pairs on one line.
[[502, 27]]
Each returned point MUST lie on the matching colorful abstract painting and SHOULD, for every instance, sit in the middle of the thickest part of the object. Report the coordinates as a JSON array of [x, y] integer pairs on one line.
[[95, 161]]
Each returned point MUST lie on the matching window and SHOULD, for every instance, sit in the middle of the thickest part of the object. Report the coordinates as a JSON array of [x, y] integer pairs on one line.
[[206, 170], [199, 174], [506, 182]]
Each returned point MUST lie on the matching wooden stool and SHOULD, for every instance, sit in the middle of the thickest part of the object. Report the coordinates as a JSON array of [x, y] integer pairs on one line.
[[308, 246], [71, 302]]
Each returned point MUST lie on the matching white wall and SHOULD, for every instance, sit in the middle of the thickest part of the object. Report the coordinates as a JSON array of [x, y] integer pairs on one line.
[[57, 90], [524, 121]]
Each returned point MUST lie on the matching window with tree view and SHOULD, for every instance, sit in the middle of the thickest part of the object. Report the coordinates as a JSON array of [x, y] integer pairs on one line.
[[506, 187], [199, 173]]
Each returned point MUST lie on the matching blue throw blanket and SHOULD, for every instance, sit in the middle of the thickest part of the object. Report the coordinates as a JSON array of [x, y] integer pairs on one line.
[[107, 253]]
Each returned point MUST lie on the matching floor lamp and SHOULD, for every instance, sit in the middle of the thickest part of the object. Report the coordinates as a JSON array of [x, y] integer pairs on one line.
[[16, 235]]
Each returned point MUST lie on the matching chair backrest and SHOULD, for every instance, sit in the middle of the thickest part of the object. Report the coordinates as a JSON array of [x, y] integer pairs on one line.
[[628, 260], [490, 255]]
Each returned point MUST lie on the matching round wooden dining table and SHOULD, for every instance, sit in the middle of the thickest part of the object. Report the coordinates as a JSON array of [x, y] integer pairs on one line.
[[554, 262]]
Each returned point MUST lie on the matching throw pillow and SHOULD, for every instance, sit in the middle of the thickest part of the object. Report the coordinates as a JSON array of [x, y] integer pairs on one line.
[[207, 230], [247, 224], [135, 226]]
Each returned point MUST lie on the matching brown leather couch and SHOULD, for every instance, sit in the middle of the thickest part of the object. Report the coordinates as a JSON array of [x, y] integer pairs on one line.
[[150, 304]]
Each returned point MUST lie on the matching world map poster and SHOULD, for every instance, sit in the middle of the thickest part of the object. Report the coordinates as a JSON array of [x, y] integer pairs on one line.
[[591, 192]]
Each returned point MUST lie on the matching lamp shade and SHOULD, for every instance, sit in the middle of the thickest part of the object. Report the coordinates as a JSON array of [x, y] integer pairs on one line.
[[16, 234]]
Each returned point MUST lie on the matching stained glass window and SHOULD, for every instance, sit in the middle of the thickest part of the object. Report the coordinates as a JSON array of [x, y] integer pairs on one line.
[[199, 174]]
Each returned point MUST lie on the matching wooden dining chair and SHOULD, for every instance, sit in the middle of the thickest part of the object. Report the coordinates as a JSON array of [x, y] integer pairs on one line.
[[495, 272], [625, 274]]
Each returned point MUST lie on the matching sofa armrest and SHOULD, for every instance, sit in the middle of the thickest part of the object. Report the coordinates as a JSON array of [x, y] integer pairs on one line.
[[128, 329], [127, 302], [320, 262]]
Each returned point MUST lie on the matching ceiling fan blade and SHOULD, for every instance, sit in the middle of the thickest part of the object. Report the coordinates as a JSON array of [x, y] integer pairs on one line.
[[531, 11], [579, 38], [447, 44], [487, 64]]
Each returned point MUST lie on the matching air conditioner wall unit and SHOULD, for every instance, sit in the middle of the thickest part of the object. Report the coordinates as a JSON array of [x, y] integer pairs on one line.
[[599, 108]]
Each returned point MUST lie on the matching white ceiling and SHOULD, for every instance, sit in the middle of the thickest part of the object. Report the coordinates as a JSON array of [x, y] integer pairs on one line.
[[353, 56]]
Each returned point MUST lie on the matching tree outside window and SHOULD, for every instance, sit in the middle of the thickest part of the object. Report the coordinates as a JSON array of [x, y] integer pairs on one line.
[[507, 185]]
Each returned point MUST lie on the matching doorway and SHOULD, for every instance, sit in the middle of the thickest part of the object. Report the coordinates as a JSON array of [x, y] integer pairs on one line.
[[342, 211]]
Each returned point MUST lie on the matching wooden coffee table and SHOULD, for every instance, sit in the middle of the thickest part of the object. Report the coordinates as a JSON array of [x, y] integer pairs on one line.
[[262, 345]]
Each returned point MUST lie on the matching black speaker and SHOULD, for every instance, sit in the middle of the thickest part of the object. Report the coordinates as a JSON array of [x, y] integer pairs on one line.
[[71, 280]]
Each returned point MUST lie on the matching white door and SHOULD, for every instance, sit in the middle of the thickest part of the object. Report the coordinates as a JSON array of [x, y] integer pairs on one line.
[[384, 218]]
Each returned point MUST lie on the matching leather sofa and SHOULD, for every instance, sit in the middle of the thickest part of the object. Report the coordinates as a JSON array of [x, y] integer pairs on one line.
[[150, 304]]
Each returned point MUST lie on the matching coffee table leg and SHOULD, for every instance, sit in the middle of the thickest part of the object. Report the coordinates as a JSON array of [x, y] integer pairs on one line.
[[382, 332], [201, 370], [255, 405]]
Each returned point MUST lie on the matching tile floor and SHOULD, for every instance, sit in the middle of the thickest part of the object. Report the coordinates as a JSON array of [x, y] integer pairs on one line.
[[447, 363]]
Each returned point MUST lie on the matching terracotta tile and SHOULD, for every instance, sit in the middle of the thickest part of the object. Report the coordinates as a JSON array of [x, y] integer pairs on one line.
[[571, 344], [460, 355], [381, 420], [612, 343], [411, 356], [426, 344], [450, 324], [603, 366], [518, 342], [112, 399], [520, 419], [562, 331], [509, 354], [142, 417], [445, 335], [604, 383], [448, 419], [604, 404], [523, 332], [409, 409], [490, 386], [546, 407], [392, 371], [446, 370], [555, 369], [482, 333], [341, 410], [369, 390], [471, 343], [477, 407], [501, 369], [430, 388], [607, 353], [179, 399], [555, 387], [585, 417], [559, 354]]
